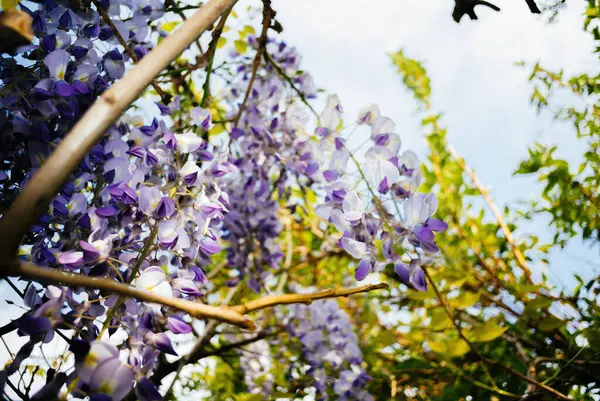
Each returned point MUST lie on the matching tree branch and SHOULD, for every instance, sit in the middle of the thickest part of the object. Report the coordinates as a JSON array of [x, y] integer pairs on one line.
[[494, 209], [542, 386], [273, 300], [210, 56], [268, 14], [15, 30], [462, 7], [533, 7], [165, 97], [232, 315], [195, 309], [38, 193], [199, 352]]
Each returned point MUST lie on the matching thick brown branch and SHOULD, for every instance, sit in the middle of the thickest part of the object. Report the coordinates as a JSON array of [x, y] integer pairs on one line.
[[195, 309], [39, 192], [15, 30], [273, 300]]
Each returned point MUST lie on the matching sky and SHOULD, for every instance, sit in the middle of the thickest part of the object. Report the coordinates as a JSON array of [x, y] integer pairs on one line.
[[484, 96]]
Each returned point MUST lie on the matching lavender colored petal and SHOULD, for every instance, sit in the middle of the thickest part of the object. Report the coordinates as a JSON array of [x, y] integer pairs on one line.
[[177, 325], [71, 259], [437, 225], [209, 246], [363, 269], [57, 62], [403, 272], [145, 390], [418, 279]]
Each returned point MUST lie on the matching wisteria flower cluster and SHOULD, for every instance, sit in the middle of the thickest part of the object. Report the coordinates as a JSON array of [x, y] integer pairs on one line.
[[155, 200], [383, 203], [144, 207], [264, 145], [330, 349]]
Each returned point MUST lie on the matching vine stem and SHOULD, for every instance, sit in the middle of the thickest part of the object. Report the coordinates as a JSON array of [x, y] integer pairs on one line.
[[289, 80], [142, 256], [49, 179], [494, 209], [488, 361], [108, 21], [536, 383], [458, 328], [210, 55], [268, 14]]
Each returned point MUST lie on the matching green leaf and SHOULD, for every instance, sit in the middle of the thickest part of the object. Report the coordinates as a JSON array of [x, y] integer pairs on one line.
[[533, 305], [414, 76], [440, 320], [249, 30], [464, 300], [488, 332], [8, 4], [593, 337], [452, 348], [240, 46], [421, 296], [550, 323], [221, 43], [169, 26], [249, 397], [386, 338]]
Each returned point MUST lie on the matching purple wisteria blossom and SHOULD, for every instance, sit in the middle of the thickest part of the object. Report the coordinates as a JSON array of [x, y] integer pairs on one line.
[[388, 207]]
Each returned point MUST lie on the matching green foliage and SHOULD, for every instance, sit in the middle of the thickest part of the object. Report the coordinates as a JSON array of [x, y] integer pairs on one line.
[[570, 194], [489, 323], [414, 76]]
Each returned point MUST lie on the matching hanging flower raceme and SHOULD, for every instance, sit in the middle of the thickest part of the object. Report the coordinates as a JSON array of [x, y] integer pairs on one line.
[[387, 207], [330, 347]]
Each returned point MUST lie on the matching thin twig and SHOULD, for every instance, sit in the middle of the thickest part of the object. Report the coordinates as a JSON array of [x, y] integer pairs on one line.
[[210, 55], [457, 326], [140, 259], [273, 300], [16, 390], [268, 14], [494, 209], [289, 80], [164, 370], [544, 387], [108, 21]]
